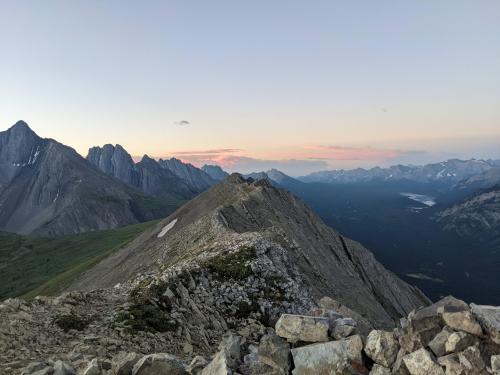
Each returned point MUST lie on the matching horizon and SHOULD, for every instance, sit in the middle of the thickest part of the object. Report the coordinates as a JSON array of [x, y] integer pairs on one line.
[[257, 86], [137, 158]]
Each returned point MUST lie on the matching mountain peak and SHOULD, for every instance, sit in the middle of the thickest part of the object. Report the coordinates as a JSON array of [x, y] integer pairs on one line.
[[21, 127]]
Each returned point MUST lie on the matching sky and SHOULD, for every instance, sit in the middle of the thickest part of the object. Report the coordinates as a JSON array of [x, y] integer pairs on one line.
[[250, 85]]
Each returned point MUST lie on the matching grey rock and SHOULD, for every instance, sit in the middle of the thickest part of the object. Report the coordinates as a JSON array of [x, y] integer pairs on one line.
[[302, 328], [463, 321], [197, 365], [489, 318], [159, 364], [380, 370], [328, 358], [63, 368], [495, 362], [220, 365], [459, 341], [421, 362], [438, 343], [382, 347], [93, 368], [471, 360], [124, 363], [341, 328], [452, 364]]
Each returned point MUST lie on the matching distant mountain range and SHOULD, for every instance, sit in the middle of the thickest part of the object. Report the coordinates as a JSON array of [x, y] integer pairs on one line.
[[451, 171], [47, 188]]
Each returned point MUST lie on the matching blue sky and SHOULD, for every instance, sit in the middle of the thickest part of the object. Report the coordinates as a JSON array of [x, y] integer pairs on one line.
[[299, 85]]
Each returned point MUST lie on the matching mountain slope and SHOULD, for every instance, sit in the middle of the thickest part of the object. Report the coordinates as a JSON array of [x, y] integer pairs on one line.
[[194, 177], [477, 216], [147, 175], [241, 214], [214, 171], [449, 172], [46, 188]]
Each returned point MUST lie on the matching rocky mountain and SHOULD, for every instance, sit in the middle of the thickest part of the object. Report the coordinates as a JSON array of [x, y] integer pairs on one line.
[[449, 172], [269, 226], [245, 279], [195, 178], [477, 216], [481, 181], [169, 180], [214, 171], [46, 188]]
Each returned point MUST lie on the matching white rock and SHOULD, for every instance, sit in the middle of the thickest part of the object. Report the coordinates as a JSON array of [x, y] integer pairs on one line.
[[302, 328], [382, 347], [421, 362]]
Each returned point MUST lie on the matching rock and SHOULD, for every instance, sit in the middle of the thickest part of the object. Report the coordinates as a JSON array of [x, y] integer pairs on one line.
[[422, 363], [382, 347], [458, 341], [46, 371], [471, 360], [451, 364], [296, 328], [218, 366], [63, 368], [489, 318], [159, 364], [328, 358], [197, 365], [438, 343], [495, 362], [275, 351], [93, 368], [399, 366], [342, 328], [463, 321], [231, 346], [380, 370], [124, 363]]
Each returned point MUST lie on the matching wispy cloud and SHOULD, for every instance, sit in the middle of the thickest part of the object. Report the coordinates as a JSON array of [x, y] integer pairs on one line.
[[182, 123]]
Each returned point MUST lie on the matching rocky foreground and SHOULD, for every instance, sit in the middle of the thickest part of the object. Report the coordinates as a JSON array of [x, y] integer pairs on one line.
[[448, 337]]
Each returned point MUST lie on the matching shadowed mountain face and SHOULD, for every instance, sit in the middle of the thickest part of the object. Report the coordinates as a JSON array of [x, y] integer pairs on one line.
[[237, 209], [214, 171], [166, 179], [46, 188], [448, 172]]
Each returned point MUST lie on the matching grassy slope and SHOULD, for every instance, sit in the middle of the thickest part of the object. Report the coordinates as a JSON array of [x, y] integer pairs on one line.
[[31, 266]]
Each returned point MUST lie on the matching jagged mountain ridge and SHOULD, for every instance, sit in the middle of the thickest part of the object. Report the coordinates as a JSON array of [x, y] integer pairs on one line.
[[449, 172], [166, 179], [215, 171], [238, 211], [477, 216], [47, 188]]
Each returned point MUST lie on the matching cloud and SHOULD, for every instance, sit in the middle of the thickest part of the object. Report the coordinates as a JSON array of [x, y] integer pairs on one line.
[[332, 152], [216, 151], [182, 123]]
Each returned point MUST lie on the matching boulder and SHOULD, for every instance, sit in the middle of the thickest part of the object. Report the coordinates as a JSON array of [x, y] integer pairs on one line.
[[275, 351], [63, 368], [399, 366], [93, 368], [220, 365], [471, 360], [296, 328], [382, 347], [342, 328], [421, 362], [451, 364], [159, 364], [463, 321], [495, 362], [197, 365], [124, 363], [380, 370], [231, 346], [438, 343], [489, 318], [328, 358], [459, 341]]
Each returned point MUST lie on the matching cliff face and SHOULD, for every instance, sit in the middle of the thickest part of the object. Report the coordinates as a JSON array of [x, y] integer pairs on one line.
[[46, 188], [252, 213]]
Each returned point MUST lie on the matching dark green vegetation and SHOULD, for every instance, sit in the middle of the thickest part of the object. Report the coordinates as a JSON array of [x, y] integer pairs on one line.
[[31, 266], [71, 321], [146, 317], [407, 240], [233, 266]]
